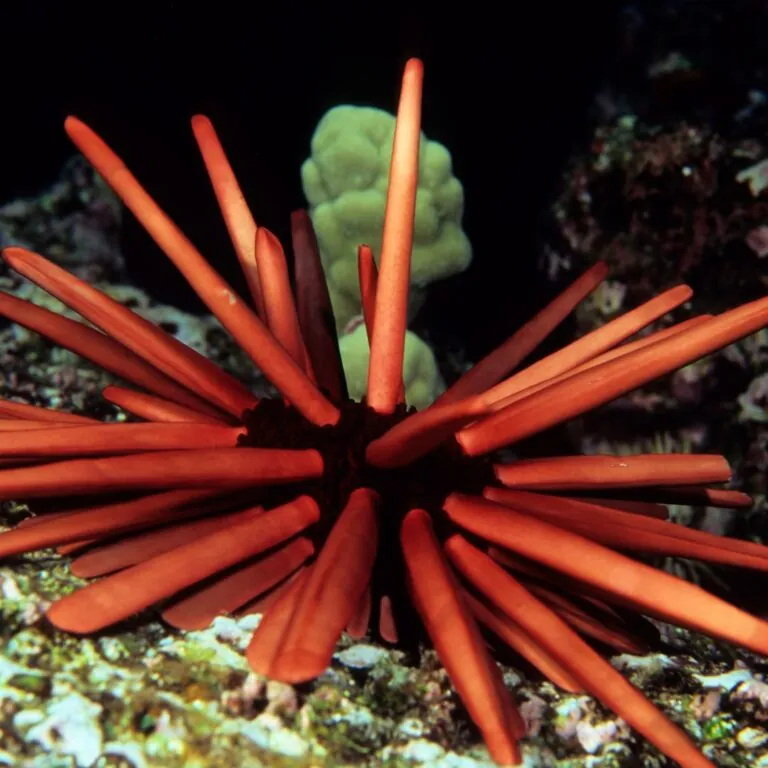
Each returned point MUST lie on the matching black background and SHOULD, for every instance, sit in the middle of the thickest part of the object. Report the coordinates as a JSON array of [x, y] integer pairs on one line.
[[506, 91]]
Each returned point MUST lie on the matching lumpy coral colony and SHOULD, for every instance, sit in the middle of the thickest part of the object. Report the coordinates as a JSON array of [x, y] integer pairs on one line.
[[327, 514]]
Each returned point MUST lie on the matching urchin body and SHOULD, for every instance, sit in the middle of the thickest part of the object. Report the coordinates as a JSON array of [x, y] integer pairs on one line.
[[325, 514], [424, 483]]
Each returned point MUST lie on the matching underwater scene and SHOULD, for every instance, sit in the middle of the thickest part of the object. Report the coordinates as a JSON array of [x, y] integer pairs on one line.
[[384, 391]]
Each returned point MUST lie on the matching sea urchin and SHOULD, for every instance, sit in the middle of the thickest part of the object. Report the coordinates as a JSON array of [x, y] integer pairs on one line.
[[327, 514]]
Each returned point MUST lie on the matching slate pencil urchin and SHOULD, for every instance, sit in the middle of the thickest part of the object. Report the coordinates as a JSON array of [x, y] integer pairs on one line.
[[302, 507]]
